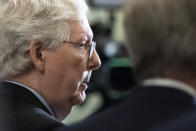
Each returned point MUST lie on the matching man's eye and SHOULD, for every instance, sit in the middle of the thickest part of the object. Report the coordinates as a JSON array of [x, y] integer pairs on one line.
[[82, 45], [84, 42]]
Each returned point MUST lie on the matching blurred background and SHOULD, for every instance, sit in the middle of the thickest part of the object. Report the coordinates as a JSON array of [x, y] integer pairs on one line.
[[113, 81]]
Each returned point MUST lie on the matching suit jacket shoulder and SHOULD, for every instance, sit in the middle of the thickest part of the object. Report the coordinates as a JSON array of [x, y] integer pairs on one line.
[[185, 122], [20, 110], [144, 108]]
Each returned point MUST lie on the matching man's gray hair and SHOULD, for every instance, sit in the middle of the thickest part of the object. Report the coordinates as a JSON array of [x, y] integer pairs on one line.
[[24, 20], [161, 36]]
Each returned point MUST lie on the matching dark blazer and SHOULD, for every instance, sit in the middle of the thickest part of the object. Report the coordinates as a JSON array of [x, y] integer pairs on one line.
[[186, 122], [20, 110], [143, 109]]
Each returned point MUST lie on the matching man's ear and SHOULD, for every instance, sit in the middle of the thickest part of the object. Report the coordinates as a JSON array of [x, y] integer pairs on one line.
[[35, 54]]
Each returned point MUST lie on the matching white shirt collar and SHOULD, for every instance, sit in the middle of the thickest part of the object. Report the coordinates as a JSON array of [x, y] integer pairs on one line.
[[43, 101], [172, 84]]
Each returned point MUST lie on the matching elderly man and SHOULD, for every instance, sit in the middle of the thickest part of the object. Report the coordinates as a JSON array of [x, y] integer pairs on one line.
[[161, 37], [46, 59]]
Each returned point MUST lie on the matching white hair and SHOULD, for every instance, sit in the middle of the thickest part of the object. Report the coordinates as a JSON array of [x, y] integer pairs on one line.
[[25, 20]]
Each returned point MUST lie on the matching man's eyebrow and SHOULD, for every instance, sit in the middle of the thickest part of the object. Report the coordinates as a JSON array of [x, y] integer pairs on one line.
[[83, 37]]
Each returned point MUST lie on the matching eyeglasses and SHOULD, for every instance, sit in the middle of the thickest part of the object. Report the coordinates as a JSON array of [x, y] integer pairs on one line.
[[92, 46]]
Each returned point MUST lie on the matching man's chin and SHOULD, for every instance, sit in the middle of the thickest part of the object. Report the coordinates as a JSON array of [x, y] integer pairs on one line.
[[79, 98]]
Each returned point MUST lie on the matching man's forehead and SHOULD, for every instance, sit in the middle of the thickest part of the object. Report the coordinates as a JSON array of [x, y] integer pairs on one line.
[[80, 28]]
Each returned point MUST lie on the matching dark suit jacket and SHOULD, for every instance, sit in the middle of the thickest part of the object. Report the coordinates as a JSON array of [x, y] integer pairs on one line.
[[143, 109], [20, 110], [186, 122]]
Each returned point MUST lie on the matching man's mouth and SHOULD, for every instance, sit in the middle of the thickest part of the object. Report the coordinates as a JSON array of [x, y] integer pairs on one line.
[[83, 86]]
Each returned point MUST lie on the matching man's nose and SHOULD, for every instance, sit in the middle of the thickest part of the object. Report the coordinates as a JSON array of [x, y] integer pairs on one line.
[[94, 62]]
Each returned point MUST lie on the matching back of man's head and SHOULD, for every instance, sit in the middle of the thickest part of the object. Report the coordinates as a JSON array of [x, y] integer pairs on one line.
[[161, 36]]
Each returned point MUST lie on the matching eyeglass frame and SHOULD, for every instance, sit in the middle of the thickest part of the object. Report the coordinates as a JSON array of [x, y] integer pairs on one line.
[[92, 46]]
